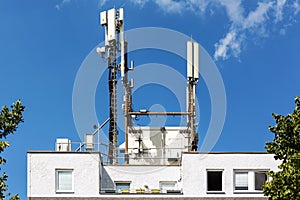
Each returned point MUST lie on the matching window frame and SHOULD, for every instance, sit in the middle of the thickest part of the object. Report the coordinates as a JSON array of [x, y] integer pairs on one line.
[[222, 191], [57, 190], [235, 182], [122, 182], [251, 180], [167, 182]]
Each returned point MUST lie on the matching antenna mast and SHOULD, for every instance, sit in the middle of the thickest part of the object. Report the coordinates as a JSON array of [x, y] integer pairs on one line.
[[115, 47], [192, 77], [113, 21]]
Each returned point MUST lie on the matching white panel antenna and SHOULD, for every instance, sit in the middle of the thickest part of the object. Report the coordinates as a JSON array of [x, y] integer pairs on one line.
[[123, 44], [192, 76], [103, 18], [115, 46], [192, 60], [189, 60], [111, 18], [196, 60]]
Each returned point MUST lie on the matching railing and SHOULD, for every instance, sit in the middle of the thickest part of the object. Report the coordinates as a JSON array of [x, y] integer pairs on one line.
[[79, 146], [141, 191], [156, 156]]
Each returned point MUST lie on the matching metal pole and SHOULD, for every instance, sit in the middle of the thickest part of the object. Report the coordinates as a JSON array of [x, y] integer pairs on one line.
[[98, 138], [159, 113]]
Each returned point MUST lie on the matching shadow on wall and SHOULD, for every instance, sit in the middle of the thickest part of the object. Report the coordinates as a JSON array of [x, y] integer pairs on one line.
[[107, 184]]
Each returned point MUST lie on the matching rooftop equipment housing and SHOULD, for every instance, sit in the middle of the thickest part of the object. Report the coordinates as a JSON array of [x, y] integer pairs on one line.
[[63, 144]]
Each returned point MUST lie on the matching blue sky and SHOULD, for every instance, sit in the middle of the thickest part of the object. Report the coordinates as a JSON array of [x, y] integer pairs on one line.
[[255, 45]]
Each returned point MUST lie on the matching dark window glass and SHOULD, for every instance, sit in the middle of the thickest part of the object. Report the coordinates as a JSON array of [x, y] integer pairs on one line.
[[214, 181], [260, 178]]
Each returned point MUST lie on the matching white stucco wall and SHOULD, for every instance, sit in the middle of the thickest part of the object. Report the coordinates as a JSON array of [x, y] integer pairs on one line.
[[195, 166], [138, 176], [41, 173], [190, 177]]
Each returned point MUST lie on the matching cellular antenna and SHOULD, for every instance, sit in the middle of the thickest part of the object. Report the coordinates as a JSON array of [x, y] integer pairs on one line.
[[115, 45], [192, 80], [139, 147]]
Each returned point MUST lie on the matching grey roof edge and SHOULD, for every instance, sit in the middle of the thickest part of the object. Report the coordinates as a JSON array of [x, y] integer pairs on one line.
[[227, 152], [63, 152], [191, 152]]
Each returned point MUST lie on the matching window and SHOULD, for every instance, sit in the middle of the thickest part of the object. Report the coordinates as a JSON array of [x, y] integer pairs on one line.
[[241, 181], [121, 187], [260, 178], [249, 181], [166, 186], [64, 180], [214, 180]]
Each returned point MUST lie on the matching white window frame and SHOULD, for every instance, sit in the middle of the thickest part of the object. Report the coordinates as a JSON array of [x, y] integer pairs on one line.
[[122, 182], [215, 192], [167, 182], [240, 172], [57, 183], [251, 180]]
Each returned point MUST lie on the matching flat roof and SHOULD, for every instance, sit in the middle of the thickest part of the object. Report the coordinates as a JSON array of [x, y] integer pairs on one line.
[[63, 152], [233, 152], [185, 152]]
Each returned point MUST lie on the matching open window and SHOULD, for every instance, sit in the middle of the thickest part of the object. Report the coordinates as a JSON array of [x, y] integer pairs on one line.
[[249, 181], [260, 179]]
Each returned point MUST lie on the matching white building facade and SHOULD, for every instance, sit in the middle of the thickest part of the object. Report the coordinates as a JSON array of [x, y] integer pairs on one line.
[[81, 175]]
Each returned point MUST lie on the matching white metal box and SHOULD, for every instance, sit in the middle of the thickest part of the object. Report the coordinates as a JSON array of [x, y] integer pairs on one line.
[[63, 144], [89, 142]]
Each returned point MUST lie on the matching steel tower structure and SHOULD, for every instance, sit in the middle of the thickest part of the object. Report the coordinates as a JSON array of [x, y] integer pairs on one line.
[[192, 77], [115, 46]]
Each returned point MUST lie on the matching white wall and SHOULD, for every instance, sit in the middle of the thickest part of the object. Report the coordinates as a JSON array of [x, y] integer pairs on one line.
[[191, 177], [195, 166], [142, 175], [41, 173]]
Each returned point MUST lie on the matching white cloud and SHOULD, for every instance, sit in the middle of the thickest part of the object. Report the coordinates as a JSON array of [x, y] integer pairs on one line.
[[282, 31], [61, 4], [278, 10], [258, 16], [233, 9], [232, 43], [171, 6], [140, 3], [197, 6], [296, 7], [269, 16], [226, 44]]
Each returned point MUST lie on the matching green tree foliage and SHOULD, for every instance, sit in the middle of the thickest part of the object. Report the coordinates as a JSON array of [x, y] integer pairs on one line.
[[285, 184], [9, 121]]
